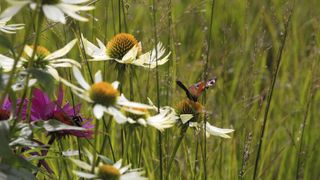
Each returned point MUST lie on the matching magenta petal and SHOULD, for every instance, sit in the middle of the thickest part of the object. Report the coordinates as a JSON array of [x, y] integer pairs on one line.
[[60, 96]]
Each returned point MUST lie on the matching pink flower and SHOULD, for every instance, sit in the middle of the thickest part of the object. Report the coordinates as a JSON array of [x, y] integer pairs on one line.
[[44, 109], [5, 109]]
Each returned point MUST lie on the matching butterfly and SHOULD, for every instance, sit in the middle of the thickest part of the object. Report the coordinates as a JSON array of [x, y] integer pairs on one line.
[[195, 90]]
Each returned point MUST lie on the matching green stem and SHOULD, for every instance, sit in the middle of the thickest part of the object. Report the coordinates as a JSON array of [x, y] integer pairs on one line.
[[95, 145], [119, 14], [176, 147], [158, 86], [205, 77], [30, 62]]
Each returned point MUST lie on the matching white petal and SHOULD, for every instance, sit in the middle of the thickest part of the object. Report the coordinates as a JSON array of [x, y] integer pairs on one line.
[[115, 84], [70, 62], [98, 77], [101, 45], [28, 50], [117, 115], [71, 10], [85, 175], [32, 82], [63, 51], [142, 122], [98, 111], [77, 74], [53, 13], [94, 51], [6, 63], [185, 117], [81, 164], [166, 119], [118, 164], [123, 101], [131, 55], [75, 1], [212, 130], [13, 10], [136, 175], [54, 73], [78, 91], [5, 20], [124, 169]]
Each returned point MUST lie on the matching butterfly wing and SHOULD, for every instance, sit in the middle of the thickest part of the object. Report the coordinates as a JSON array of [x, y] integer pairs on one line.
[[189, 95]]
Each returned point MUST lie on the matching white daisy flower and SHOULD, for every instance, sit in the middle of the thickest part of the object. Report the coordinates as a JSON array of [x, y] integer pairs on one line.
[[191, 113], [125, 49], [9, 28], [43, 59], [105, 98], [54, 10], [165, 119], [106, 170]]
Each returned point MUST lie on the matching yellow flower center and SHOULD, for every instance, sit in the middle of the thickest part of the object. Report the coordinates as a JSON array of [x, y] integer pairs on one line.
[[190, 107], [120, 45], [38, 62], [108, 172], [104, 93]]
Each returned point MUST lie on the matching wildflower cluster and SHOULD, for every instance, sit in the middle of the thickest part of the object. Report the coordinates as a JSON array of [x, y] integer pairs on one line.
[[46, 120]]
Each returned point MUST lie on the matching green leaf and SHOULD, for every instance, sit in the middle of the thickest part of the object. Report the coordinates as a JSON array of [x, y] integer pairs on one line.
[[7, 172], [4, 42], [5, 150], [45, 79]]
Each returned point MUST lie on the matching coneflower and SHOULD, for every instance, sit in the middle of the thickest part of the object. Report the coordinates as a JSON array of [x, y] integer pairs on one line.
[[124, 48]]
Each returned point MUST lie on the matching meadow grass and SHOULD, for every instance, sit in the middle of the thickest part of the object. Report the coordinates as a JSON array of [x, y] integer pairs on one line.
[[239, 42]]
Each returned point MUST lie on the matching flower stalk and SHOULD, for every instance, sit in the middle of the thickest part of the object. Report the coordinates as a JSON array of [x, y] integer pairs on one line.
[[183, 131], [30, 61]]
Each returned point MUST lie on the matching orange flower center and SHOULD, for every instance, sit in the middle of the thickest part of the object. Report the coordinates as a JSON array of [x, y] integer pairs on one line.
[[104, 93], [108, 172], [38, 62], [190, 107], [120, 45]]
